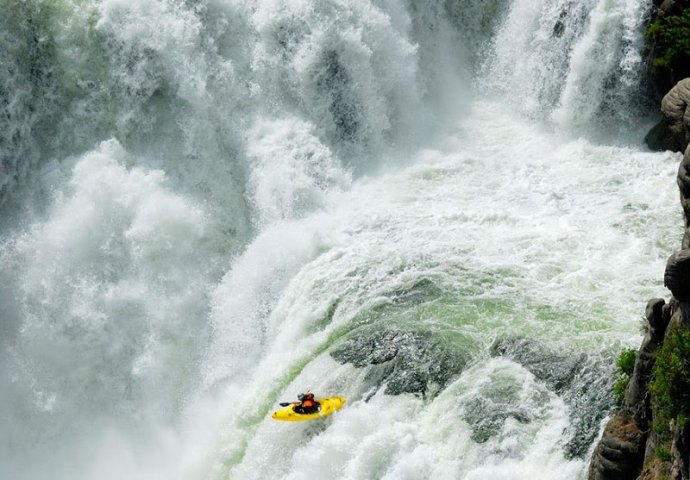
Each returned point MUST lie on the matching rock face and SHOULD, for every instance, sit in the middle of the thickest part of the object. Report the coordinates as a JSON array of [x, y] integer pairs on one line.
[[582, 382], [665, 56], [669, 7], [680, 449], [673, 131], [677, 274], [621, 450], [635, 400], [406, 362], [683, 181]]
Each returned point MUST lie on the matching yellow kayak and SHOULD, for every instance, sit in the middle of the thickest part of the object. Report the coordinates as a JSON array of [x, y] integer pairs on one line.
[[328, 406]]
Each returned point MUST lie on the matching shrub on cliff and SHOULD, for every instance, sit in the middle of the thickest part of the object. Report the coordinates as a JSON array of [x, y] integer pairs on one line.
[[670, 387], [670, 37], [624, 369]]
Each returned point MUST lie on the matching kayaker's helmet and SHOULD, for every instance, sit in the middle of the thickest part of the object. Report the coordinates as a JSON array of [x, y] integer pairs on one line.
[[305, 396]]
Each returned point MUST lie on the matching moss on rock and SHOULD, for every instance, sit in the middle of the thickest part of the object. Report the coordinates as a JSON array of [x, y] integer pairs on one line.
[[670, 387], [669, 36]]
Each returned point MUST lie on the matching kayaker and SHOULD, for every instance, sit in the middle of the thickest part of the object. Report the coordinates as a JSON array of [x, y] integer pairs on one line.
[[307, 403]]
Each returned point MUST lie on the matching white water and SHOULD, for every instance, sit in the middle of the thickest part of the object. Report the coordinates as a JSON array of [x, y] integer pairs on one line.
[[271, 178]]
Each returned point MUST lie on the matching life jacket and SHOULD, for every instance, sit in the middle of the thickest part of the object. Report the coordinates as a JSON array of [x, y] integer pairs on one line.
[[308, 403]]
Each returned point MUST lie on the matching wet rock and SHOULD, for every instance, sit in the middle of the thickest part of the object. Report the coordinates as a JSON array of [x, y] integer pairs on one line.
[[673, 131], [589, 399], [583, 383], [619, 454], [559, 27], [557, 370], [335, 84], [487, 412], [410, 362]]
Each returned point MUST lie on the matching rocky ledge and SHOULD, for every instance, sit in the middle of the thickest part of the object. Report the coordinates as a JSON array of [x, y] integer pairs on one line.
[[622, 450]]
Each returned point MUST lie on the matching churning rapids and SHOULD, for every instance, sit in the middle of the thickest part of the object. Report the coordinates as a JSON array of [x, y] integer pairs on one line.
[[441, 210]]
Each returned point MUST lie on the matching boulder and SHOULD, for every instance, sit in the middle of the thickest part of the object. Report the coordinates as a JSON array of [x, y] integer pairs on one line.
[[673, 131], [404, 361], [677, 275], [584, 383]]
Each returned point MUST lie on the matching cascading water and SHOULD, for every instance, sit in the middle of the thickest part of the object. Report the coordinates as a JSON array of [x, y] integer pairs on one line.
[[209, 206]]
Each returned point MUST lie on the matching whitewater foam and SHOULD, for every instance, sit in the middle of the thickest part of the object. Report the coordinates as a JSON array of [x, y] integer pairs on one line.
[[230, 190]]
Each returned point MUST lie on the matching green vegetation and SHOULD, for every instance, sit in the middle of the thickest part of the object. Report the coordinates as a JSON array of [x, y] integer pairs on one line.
[[671, 38], [663, 453], [624, 369], [670, 387]]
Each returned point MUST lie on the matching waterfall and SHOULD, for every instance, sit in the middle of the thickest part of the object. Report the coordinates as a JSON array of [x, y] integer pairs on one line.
[[439, 210]]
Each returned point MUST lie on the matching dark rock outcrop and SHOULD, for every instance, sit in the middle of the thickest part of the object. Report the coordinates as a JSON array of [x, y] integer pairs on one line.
[[635, 399], [582, 382], [618, 456], [555, 369], [620, 453], [683, 181], [677, 274], [670, 7], [673, 131], [665, 56], [403, 361], [680, 449]]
